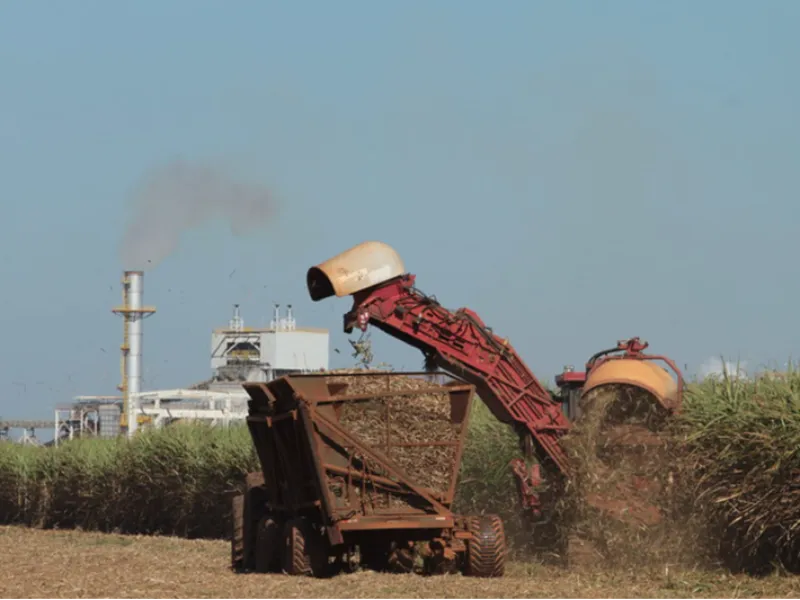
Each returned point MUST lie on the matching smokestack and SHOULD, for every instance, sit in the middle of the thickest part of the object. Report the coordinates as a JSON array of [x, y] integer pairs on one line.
[[289, 317], [133, 313], [135, 291], [236, 323], [276, 317]]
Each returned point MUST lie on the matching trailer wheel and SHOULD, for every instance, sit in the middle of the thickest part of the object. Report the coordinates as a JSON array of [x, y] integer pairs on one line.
[[375, 556], [237, 533], [401, 560], [304, 551], [388, 556], [486, 550], [268, 546], [255, 497], [246, 510]]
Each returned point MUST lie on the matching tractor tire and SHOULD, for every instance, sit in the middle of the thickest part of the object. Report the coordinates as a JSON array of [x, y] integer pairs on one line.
[[252, 509], [375, 556], [237, 532], [487, 549], [304, 552], [268, 546], [402, 559], [388, 557]]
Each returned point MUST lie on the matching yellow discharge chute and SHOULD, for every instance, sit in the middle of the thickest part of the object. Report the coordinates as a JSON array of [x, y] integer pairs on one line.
[[639, 373]]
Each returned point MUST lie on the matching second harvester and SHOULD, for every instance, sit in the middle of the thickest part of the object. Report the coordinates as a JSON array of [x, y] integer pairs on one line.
[[385, 296]]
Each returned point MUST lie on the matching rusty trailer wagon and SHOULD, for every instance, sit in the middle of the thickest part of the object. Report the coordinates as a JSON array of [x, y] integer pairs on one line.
[[360, 466]]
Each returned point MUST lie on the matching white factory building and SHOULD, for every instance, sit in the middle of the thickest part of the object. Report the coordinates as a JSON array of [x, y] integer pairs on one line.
[[238, 353], [252, 354]]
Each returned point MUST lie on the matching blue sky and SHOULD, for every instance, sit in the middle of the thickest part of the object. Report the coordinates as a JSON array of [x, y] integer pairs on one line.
[[576, 172]]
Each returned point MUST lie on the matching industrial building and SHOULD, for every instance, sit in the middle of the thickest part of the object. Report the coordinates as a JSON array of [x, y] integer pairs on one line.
[[238, 353]]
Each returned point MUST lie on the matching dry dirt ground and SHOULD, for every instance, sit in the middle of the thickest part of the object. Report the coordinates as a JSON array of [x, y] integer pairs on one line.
[[70, 564]]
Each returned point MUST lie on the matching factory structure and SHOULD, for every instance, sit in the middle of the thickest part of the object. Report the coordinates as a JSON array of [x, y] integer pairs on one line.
[[238, 354]]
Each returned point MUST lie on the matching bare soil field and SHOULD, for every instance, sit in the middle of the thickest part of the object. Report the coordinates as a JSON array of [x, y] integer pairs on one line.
[[74, 564]]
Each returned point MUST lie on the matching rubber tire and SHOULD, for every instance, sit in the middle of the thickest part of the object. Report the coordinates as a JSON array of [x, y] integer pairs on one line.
[[304, 551], [253, 509], [375, 556], [402, 561], [385, 557], [487, 549], [237, 533], [268, 546]]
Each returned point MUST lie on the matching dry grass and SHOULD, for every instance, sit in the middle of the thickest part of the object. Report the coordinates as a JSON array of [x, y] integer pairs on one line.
[[72, 564]]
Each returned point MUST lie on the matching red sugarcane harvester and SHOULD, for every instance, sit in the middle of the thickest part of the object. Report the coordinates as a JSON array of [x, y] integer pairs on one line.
[[459, 342]]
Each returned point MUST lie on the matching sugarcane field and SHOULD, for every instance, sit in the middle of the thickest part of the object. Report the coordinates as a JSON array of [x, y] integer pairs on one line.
[[163, 499]]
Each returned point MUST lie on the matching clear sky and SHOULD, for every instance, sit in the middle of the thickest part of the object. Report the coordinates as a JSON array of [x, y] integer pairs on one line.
[[576, 172]]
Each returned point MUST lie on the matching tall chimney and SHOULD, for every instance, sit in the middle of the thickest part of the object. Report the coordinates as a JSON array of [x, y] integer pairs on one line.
[[276, 317], [135, 290], [236, 323], [133, 313], [290, 323]]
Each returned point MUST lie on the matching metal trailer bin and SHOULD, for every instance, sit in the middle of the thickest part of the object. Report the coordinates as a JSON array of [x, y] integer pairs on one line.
[[360, 465]]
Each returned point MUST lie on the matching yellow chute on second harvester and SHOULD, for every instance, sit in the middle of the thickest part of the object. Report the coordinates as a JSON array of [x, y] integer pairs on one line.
[[637, 373]]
